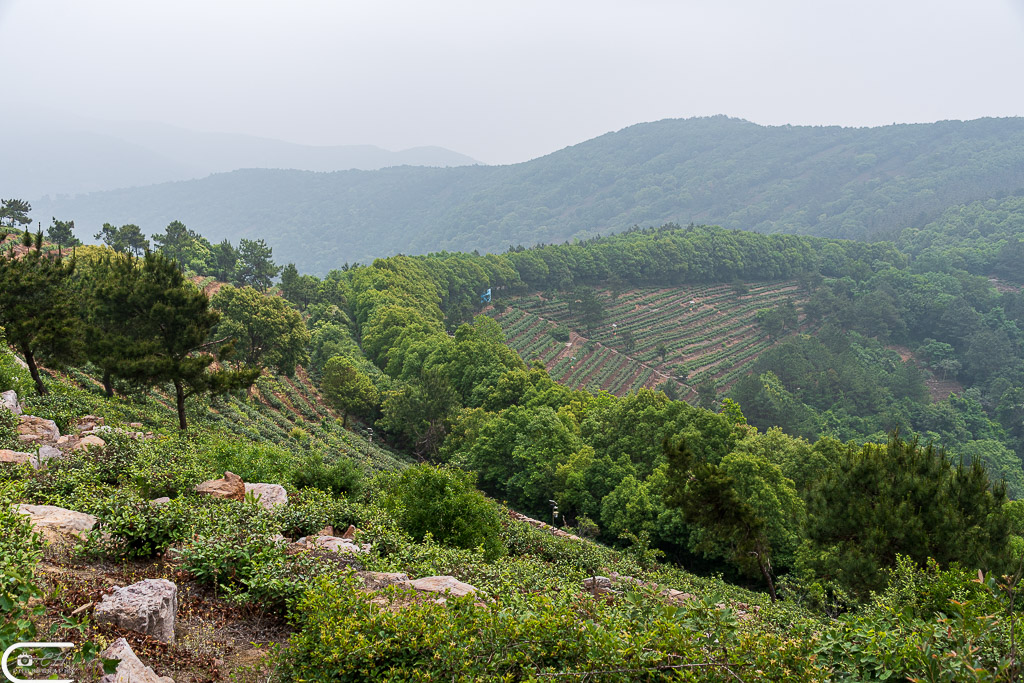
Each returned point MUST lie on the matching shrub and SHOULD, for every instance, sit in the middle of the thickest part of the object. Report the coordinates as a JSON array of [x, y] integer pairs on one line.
[[8, 430], [171, 467], [130, 528], [344, 475], [20, 551], [253, 462], [444, 503], [12, 375], [560, 333]]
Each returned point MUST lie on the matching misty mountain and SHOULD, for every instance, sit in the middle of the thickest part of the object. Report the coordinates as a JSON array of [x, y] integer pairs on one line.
[[828, 181], [56, 154]]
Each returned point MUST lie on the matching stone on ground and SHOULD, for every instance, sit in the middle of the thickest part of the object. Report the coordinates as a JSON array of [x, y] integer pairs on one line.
[[268, 495], [146, 607], [230, 487], [54, 522], [36, 430], [9, 400], [130, 669], [443, 584]]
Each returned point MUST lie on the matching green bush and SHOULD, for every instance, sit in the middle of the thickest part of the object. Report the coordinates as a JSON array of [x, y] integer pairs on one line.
[[63, 405], [12, 375], [8, 430], [444, 503], [171, 467], [344, 475], [20, 551], [253, 462], [344, 635], [131, 528], [310, 510], [560, 333]]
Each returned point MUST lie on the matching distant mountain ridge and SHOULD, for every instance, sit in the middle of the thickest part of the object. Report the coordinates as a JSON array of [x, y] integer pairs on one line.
[[55, 155], [828, 181]]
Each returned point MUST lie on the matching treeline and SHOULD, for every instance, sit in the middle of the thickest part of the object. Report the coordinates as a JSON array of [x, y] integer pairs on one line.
[[825, 181], [139, 322], [643, 471]]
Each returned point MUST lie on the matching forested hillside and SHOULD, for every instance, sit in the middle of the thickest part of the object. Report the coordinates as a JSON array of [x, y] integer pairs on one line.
[[829, 181], [787, 533]]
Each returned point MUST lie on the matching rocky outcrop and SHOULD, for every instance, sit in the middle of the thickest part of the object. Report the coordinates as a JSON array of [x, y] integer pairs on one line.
[[146, 607], [447, 585], [9, 400], [89, 441], [130, 669], [17, 457], [37, 431], [56, 523], [597, 584], [268, 495], [230, 487], [537, 524], [335, 543], [47, 453], [378, 580]]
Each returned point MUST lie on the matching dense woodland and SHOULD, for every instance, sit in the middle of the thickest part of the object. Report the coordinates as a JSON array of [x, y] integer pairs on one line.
[[826, 481], [836, 182]]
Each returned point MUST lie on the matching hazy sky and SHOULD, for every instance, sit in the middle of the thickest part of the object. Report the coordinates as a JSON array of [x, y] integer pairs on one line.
[[507, 81]]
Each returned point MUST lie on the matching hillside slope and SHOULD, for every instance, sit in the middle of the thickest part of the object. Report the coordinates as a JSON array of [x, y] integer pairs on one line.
[[830, 181]]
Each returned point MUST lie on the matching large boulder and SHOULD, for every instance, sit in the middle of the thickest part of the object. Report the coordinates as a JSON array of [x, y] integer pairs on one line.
[[90, 441], [337, 544], [448, 585], [230, 487], [9, 400], [379, 580], [45, 454], [268, 495], [597, 584], [130, 669], [36, 430], [147, 607], [56, 523], [17, 457]]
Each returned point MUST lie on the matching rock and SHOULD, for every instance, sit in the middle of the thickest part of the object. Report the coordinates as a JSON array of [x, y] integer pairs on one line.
[[130, 669], [36, 430], [90, 441], [88, 423], [9, 400], [160, 501], [135, 425], [54, 522], [326, 531], [146, 607], [379, 580], [68, 442], [350, 532], [47, 453], [597, 584], [231, 487], [338, 545], [676, 597], [268, 495], [448, 585], [17, 457]]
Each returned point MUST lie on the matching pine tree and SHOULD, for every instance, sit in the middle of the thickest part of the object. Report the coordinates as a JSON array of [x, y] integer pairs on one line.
[[173, 320], [38, 310]]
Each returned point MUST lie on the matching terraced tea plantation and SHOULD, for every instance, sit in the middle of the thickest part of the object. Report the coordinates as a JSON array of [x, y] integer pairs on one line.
[[706, 331]]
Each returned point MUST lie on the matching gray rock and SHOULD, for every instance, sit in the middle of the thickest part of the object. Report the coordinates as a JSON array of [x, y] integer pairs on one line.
[[130, 669], [36, 430], [448, 585], [338, 545], [160, 501], [597, 584], [268, 495], [9, 400], [47, 453], [17, 457], [53, 521], [147, 607], [378, 580]]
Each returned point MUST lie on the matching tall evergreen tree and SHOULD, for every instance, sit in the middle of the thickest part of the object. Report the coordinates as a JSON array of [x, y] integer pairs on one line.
[[62, 233], [255, 266], [14, 213], [38, 310], [174, 319]]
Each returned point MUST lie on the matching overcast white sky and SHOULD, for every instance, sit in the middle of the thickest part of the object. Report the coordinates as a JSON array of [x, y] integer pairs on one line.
[[506, 81]]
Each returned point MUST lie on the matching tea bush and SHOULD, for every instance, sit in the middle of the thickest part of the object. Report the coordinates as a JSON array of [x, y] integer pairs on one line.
[[444, 503], [341, 476]]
